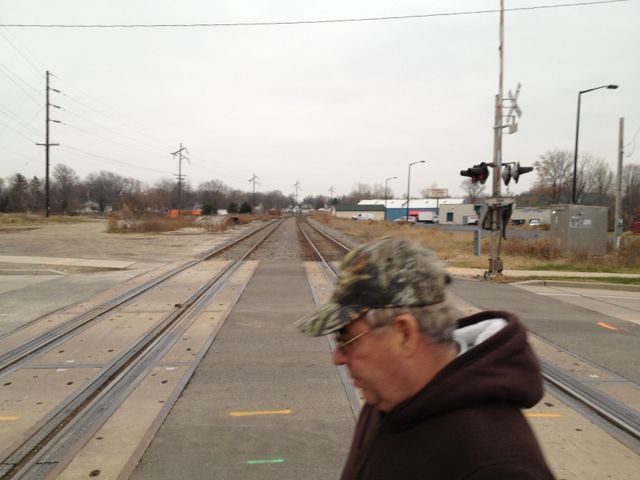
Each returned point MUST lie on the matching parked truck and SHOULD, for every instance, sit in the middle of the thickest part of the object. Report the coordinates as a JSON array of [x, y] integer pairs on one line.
[[369, 217], [428, 217]]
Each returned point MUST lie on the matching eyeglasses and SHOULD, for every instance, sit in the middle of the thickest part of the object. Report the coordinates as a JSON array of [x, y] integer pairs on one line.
[[342, 344]]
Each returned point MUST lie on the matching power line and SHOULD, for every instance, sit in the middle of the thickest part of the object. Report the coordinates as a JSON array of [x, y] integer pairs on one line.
[[113, 131], [84, 153], [85, 105], [129, 126], [8, 142], [18, 120], [109, 140], [29, 159], [632, 144], [8, 74], [16, 131], [307, 22], [37, 69]]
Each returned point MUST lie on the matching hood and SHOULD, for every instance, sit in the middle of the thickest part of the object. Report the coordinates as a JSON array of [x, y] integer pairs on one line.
[[499, 369]]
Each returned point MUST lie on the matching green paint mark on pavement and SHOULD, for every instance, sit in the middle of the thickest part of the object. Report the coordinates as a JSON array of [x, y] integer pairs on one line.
[[267, 460]]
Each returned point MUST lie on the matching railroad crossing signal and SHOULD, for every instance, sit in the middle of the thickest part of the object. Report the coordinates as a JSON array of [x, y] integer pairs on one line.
[[478, 173], [514, 171]]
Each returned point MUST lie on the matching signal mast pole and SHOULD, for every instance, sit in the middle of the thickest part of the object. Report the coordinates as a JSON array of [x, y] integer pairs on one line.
[[495, 263]]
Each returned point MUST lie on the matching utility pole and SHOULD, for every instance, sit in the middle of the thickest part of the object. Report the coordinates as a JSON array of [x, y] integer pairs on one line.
[[495, 263], [496, 205], [47, 144], [254, 179], [331, 197], [181, 157], [296, 186], [618, 224]]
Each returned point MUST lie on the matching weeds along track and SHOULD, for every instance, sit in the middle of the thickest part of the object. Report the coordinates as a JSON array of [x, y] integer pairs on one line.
[[51, 440]]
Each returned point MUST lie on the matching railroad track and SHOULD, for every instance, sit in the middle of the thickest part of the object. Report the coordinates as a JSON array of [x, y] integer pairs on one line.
[[49, 445], [12, 358], [325, 248], [619, 420]]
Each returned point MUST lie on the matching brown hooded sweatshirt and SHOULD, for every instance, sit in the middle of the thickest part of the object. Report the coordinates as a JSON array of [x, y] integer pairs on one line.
[[465, 423]]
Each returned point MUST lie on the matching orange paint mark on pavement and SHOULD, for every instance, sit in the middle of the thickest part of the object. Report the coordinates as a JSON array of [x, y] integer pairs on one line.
[[9, 419], [543, 415], [260, 412], [606, 325]]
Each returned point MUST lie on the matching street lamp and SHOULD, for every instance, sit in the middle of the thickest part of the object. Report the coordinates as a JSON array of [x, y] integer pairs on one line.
[[386, 182], [575, 151], [409, 185]]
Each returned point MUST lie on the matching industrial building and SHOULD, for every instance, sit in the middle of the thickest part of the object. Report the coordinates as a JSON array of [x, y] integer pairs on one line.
[[452, 211]]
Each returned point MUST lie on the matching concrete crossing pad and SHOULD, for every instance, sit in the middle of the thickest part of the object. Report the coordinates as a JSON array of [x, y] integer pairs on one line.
[[265, 403]]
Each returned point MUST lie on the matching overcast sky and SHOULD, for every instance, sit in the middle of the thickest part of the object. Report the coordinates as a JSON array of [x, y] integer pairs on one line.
[[327, 105]]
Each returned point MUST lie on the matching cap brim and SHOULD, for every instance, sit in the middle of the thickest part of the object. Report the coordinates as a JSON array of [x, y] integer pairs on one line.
[[328, 319]]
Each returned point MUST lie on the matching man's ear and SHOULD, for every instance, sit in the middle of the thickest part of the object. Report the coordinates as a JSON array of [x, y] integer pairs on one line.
[[408, 331]]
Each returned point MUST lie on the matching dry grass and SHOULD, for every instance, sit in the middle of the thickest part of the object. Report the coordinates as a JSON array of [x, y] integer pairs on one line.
[[31, 219], [147, 224], [125, 221], [518, 253]]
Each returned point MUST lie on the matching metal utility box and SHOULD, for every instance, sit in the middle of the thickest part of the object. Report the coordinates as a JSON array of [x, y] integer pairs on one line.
[[579, 228]]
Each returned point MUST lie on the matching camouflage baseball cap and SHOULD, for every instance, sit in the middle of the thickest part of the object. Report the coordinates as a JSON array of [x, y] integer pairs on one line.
[[381, 274]]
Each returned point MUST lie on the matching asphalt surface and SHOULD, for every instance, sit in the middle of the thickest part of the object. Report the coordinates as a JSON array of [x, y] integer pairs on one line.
[[568, 326]]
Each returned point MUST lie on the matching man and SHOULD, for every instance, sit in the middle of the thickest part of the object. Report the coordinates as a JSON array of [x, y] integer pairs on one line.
[[443, 397]]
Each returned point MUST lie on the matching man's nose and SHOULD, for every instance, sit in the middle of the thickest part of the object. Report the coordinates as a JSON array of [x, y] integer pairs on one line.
[[339, 358]]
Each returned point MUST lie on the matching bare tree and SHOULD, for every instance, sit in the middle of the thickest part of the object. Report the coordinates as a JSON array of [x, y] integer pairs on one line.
[[378, 190], [359, 191], [474, 191], [105, 188], [212, 193], [36, 194], [594, 182], [631, 191], [4, 196], [555, 174], [65, 188]]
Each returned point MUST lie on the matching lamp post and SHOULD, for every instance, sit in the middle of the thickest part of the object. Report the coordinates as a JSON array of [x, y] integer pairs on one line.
[[575, 151], [386, 182], [409, 185]]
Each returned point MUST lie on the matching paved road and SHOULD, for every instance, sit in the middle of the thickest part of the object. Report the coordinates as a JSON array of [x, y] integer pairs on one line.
[[511, 232], [574, 326]]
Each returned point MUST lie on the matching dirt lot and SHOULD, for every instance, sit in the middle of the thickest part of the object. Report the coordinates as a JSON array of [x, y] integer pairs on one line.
[[91, 241], [29, 290]]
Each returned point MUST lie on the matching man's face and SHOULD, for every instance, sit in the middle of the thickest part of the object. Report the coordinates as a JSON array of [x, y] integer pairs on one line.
[[372, 360]]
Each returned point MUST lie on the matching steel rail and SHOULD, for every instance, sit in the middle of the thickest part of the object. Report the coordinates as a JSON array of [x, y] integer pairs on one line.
[[333, 240], [52, 337], [325, 264], [332, 276], [83, 414], [618, 417]]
